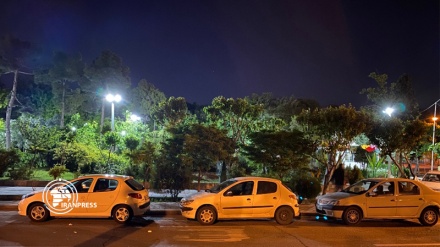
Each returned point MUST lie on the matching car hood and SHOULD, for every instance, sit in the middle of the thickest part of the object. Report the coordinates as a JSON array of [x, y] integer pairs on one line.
[[433, 185], [199, 195], [33, 194], [337, 196]]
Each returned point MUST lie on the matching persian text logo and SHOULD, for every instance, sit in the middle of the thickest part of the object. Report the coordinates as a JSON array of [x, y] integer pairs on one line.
[[58, 193]]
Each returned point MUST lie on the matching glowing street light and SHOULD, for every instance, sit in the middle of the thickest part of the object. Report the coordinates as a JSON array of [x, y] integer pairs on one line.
[[113, 98], [434, 119], [388, 111], [135, 118]]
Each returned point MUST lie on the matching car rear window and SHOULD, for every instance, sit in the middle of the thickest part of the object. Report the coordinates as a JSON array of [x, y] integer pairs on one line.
[[135, 185], [266, 187]]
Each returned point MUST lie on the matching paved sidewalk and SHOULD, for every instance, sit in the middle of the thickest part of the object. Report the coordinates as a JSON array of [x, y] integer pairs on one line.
[[11, 195]]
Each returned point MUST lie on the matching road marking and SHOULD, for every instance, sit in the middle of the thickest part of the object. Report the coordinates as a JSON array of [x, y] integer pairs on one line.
[[208, 235]]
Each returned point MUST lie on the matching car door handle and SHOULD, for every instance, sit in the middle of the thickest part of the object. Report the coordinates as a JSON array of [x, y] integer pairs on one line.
[[249, 199], [274, 198]]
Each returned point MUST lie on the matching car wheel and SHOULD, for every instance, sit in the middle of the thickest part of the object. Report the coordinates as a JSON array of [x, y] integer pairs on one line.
[[284, 215], [38, 212], [206, 215], [429, 217], [352, 216], [122, 214]]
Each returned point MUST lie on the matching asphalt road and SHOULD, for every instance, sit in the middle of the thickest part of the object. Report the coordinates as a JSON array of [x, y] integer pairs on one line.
[[174, 230]]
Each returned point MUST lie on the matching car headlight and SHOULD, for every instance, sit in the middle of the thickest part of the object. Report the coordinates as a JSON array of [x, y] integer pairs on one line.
[[185, 202], [27, 196], [333, 202]]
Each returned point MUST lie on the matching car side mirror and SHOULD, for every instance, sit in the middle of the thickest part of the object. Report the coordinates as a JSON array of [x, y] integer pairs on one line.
[[229, 193]]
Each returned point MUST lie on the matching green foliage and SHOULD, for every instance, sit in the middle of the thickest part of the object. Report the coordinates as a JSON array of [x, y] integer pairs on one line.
[[398, 94], [171, 172], [131, 142], [279, 152], [171, 112], [57, 171], [204, 146], [20, 172], [8, 159], [237, 116], [305, 185], [374, 162], [332, 130]]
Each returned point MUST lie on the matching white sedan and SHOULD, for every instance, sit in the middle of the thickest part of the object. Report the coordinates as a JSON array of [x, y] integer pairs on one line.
[[432, 180], [97, 196]]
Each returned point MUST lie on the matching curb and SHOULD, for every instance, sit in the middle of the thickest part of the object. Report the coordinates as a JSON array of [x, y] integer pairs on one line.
[[13, 206]]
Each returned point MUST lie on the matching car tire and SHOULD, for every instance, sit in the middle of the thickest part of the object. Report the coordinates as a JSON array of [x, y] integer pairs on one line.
[[38, 212], [429, 217], [284, 215], [122, 214], [352, 216], [206, 215]]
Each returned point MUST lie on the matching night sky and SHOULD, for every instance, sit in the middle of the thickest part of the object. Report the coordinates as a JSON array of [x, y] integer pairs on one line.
[[317, 49]]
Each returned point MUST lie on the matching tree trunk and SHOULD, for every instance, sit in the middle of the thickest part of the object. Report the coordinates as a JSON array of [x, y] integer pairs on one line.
[[102, 117], [9, 110], [398, 166]]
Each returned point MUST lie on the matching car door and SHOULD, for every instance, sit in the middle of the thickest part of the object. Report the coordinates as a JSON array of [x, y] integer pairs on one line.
[[237, 201], [103, 195], [76, 193], [409, 199], [266, 198], [381, 204]]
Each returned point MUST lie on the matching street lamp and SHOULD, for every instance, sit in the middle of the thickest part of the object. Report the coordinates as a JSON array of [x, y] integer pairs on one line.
[[433, 134], [389, 111], [113, 98]]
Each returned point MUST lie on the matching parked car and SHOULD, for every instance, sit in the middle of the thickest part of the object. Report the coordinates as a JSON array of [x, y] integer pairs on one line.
[[432, 180], [382, 198], [96, 196], [242, 198]]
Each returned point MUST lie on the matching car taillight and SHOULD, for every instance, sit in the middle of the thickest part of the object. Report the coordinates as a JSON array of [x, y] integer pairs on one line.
[[292, 197], [135, 195]]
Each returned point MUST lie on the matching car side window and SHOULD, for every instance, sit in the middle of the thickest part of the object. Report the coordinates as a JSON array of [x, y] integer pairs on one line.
[[82, 186], [408, 188], [103, 184], [240, 189], [265, 187]]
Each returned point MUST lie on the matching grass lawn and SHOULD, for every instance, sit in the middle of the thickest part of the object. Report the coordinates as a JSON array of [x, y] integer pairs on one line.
[[43, 175]]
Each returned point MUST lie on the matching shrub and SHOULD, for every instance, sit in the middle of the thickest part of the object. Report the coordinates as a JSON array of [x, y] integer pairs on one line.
[[354, 174], [7, 160], [57, 171], [22, 172], [305, 186]]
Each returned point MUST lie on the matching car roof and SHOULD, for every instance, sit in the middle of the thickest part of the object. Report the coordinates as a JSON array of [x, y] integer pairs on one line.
[[256, 178], [105, 176], [433, 172], [388, 179]]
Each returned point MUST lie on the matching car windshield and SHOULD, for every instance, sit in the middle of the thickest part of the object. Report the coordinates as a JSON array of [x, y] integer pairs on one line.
[[431, 177], [360, 187], [221, 186]]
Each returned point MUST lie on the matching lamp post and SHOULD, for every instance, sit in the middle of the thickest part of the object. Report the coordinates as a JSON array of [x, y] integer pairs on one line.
[[389, 111], [113, 98], [433, 134]]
